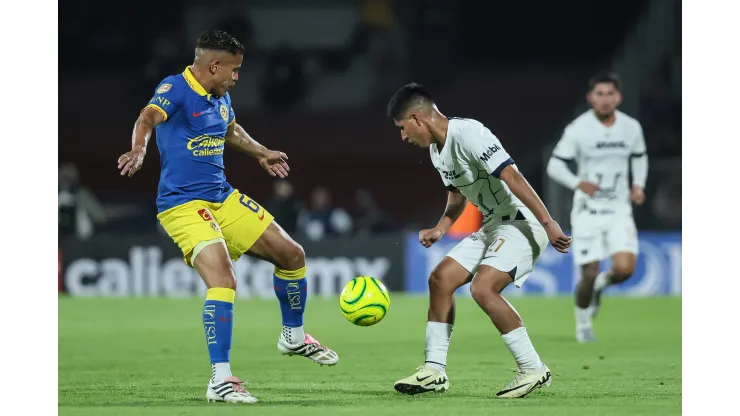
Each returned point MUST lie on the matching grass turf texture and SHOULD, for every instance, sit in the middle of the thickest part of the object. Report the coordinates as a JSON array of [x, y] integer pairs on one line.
[[148, 357]]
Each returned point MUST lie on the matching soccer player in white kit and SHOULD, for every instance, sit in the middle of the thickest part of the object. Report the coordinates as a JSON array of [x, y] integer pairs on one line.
[[602, 141], [516, 229]]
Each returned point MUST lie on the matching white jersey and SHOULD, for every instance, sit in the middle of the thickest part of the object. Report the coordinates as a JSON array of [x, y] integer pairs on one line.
[[603, 155], [471, 160]]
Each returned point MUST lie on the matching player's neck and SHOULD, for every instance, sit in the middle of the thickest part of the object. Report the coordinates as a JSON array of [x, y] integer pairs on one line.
[[439, 130], [200, 76]]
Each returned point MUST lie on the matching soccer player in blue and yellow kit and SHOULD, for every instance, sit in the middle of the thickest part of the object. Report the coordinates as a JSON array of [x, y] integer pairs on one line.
[[212, 222]]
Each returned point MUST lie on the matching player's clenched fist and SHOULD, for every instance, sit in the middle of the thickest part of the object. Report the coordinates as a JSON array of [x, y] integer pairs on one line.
[[429, 237], [557, 238], [130, 162]]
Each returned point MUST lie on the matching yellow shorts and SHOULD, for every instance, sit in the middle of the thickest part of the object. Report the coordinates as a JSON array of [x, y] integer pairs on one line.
[[238, 220]]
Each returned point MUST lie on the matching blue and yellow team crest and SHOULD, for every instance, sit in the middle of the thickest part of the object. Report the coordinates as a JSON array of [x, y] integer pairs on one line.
[[224, 112]]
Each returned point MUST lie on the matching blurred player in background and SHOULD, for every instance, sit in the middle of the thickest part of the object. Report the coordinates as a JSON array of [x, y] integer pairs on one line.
[[212, 222], [516, 229], [602, 142]]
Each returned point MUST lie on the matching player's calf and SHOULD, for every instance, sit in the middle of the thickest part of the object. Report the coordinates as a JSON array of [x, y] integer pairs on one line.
[[444, 280], [585, 297], [585, 287], [623, 266], [214, 265], [486, 289]]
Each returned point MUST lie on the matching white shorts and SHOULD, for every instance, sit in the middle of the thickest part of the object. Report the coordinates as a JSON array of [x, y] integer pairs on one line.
[[510, 246], [593, 244]]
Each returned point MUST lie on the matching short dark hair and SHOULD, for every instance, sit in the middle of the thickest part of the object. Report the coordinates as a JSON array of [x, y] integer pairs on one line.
[[604, 77], [218, 40], [406, 97]]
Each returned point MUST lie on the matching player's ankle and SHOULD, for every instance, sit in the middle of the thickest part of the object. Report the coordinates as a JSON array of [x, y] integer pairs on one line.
[[293, 335], [220, 371], [436, 366]]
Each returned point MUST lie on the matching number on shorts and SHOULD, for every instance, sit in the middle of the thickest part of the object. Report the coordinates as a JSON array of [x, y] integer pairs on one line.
[[502, 241], [249, 204]]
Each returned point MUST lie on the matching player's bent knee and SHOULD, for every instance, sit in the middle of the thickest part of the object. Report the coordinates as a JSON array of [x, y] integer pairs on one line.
[[223, 278], [294, 257], [438, 284], [488, 281], [447, 277], [481, 289], [622, 272]]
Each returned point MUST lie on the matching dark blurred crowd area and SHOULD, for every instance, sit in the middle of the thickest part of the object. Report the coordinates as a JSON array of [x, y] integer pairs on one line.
[[315, 82]]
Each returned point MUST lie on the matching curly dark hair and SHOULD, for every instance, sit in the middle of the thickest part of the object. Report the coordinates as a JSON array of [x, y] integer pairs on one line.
[[218, 40]]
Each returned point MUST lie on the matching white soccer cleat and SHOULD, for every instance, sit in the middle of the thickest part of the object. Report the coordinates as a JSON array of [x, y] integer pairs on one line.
[[426, 379], [585, 335], [309, 348], [230, 390], [525, 383]]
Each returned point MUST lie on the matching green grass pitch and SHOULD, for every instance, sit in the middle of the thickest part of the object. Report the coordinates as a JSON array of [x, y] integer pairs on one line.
[[148, 357]]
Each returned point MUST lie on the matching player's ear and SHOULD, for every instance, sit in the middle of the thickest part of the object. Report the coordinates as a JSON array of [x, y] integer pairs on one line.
[[588, 98], [415, 118], [214, 67], [619, 98]]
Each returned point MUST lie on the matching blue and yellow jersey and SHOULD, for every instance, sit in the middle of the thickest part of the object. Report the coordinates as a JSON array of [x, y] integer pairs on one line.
[[191, 141]]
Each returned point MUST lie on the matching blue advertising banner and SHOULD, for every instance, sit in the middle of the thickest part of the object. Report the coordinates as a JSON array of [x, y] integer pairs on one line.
[[658, 271]]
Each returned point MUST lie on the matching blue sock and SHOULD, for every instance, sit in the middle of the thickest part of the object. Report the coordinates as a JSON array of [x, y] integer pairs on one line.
[[218, 321], [290, 289]]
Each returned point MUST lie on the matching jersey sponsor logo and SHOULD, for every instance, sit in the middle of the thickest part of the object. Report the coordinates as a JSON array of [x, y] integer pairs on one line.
[[262, 217], [205, 214], [224, 112], [164, 88], [198, 114], [488, 153], [450, 174], [206, 145], [215, 227], [611, 145]]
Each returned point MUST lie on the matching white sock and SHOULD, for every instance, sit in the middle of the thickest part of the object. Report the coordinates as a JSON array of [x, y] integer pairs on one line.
[[293, 335], [602, 281], [522, 349], [583, 317], [220, 371], [438, 342]]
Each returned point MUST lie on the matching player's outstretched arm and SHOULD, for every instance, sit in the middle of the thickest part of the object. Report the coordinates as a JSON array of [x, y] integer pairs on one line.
[[521, 188], [272, 161], [130, 162], [455, 206]]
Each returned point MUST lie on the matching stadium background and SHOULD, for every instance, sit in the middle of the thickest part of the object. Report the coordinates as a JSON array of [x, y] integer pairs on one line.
[[314, 85]]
